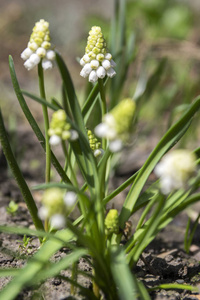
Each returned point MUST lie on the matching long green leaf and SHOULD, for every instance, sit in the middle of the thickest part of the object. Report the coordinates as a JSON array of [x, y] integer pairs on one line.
[[172, 136], [32, 121], [127, 288], [28, 198], [39, 100]]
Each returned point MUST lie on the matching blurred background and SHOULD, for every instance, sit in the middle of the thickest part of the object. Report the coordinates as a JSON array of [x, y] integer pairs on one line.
[[159, 29]]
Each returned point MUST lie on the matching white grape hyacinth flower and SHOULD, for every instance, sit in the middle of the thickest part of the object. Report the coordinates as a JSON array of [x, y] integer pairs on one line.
[[70, 198], [39, 48], [175, 170], [97, 62], [58, 221]]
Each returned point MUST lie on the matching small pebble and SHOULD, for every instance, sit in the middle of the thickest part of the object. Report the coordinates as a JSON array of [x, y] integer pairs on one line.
[[180, 281]]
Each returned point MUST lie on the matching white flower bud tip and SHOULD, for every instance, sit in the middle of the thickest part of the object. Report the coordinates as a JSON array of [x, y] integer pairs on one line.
[[47, 64], [111, 73], [54, 140], [43, 213], [101, 72], [106, 64], [35, 59], [115, 146], [28, 65], [93, 76], [70, 198], [26, 53], [94, 64], [57, 221], [41, 52], [101, 130], [74, 135], [50, 55]]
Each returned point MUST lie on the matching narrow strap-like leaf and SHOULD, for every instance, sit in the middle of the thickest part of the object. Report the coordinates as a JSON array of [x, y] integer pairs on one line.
[[28, 198], [32, 121]]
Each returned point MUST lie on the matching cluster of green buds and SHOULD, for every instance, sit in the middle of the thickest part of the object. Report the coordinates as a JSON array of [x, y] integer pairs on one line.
[[97, 62], [117, 124], [56, 204], [60, 129], [95, 145], [39, 47], [175, 170], [112, 222]]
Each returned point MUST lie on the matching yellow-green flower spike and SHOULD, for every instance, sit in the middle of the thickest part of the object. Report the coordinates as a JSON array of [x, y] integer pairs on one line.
[[95, 145], [175, 170], [112, 222], [97, 62], [60, 129], [39, 47], [117, 124], [53, 200]]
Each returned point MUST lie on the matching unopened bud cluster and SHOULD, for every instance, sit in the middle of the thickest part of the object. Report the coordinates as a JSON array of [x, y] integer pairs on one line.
[[95, 145], [60, 129], [39, 47], [56, 204], [112, 222], [97, 62], [175, 170], [117, 124]]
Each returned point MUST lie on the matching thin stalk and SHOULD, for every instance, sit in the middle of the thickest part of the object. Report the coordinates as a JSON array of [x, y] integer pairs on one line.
[[68, 163], [46, 123], [103, 106], [46, 126]]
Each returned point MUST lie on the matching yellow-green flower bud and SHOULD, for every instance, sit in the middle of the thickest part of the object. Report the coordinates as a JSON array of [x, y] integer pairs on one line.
[[60, 129], [96, 51], [53, 201], [95, 145], [123, 114], [112, 222]]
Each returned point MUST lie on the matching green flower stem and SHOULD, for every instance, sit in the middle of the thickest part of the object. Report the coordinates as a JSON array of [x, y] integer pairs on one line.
[[68, 163], [46, 123], [19, 177], [103, 106]]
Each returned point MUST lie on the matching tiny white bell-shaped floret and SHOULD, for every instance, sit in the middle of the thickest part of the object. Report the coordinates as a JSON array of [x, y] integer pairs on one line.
[[113, 64], [82, 62], [101, 72], [93, 76], [86, 58], [41, 52], [57, 221], [101, 130], [108, 56], [28, 65], [94, 64], [98, 152], [106, 64], [111, 73], [26, 53], [43, 213], [54, 140], [47, 64], [115, 145], [73, 135], [35, 59], [50, 55], [70, 198]]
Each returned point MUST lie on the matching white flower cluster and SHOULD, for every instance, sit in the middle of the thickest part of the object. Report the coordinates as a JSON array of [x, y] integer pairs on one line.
[[56, 204], [97, 62], [117, 124], [60, 129], [175, 169], [39, 48]]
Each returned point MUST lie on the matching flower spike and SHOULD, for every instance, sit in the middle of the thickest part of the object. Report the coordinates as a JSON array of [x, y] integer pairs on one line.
[[97, 62], [39, 47]]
